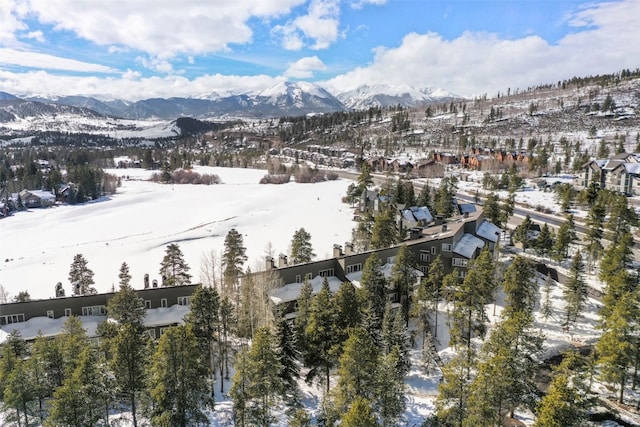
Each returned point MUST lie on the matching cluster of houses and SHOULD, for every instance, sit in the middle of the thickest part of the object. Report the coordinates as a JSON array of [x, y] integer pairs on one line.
[[489, 159], [620, 173], [321, 155]]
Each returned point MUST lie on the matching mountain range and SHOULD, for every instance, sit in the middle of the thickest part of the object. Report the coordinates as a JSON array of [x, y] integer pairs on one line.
[[281, 99]]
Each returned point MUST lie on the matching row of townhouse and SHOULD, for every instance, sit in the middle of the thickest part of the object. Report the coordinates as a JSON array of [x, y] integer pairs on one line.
[[457, 241], [620, 173], [165, 306], [483, 159]]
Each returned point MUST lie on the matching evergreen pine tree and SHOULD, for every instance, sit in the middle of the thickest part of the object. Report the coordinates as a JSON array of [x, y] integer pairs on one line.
[[173, 268], [546, 307], [521, 234], [358, 369], [301, 249], [453, 390], [544, 242], [81, 276], [302, 319], [359, 415], [124, 275], [594, 224], [287, 357], [204, 319], [233, 259], [321, 337], [384, 232], [391, 388], [575, 291], [264, 386], [565, 237], [520, 286], [178, 386], [403, 278], [373, 294], [565, 403]]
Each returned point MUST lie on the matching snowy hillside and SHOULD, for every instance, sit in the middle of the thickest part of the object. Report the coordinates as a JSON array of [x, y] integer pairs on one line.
[[387, 95]]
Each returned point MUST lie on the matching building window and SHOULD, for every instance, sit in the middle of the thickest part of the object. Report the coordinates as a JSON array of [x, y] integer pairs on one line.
[[94, 310], [309, 276], [147, 304], [67, 312], [163, 302], [462, 274], [184, 301], [492, 246], [391, 260], [433, 250], [354, 268], [151, 333], [423, 268], [298, 278], [392, 297], [326, 273], [447, 247], [459, 262], [11, 318], [50, 314], [425, 257]]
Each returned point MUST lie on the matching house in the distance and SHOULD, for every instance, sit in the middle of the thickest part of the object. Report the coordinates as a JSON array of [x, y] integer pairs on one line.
[[37, 198]]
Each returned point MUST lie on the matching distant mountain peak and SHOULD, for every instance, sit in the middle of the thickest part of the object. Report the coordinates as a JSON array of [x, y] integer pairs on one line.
[[383, 95]]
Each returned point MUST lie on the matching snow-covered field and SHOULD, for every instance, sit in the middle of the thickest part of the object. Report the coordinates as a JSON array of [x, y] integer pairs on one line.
[[138, 222]]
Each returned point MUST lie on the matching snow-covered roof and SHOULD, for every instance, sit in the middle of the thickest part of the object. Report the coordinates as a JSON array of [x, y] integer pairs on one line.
[[48, 327], [467, 245], [489, 231], [466, 208], [291, 291], [415, 213], [44, 195]]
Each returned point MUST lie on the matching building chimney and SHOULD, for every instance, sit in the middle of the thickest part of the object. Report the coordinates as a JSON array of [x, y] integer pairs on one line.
[[439, 219], [348, 248], [337, 251], [444, 227], [269, 263], [282, 260]]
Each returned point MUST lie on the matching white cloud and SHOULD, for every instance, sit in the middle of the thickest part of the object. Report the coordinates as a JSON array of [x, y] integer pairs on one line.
[[10, 21], [359, 4], [36, 35], [320, 25], [161, 29], [42, 60], [605, 40], [130, 85], [304, 67]]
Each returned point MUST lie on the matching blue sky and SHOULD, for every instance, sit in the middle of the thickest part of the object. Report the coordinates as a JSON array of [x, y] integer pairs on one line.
[[136, 49]]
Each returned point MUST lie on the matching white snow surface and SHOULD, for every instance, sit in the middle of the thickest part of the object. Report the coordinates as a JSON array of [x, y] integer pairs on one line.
[[137, 223]]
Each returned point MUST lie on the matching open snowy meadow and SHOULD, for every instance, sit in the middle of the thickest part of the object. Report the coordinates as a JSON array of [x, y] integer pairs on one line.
[[138, 222]]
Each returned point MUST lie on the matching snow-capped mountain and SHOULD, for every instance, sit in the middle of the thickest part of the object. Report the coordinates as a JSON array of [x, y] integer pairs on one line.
[[280, 99], [387, 95]]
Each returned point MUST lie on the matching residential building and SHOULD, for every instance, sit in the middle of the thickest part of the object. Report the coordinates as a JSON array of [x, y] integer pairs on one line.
[[457, 242], [166, 306]]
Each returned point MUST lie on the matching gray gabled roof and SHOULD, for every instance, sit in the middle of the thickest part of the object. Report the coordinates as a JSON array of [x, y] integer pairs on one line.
[[467, 245]]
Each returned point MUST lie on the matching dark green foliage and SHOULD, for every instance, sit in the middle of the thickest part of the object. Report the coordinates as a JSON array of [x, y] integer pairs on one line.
[[443, 198], [520, 286], [403, 278], [320, 336], [565, 237], [178, 385], [173, 268], [81, 276], [233, 259], [204, 319], [575, 291], [301, 249], [384, 232]]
